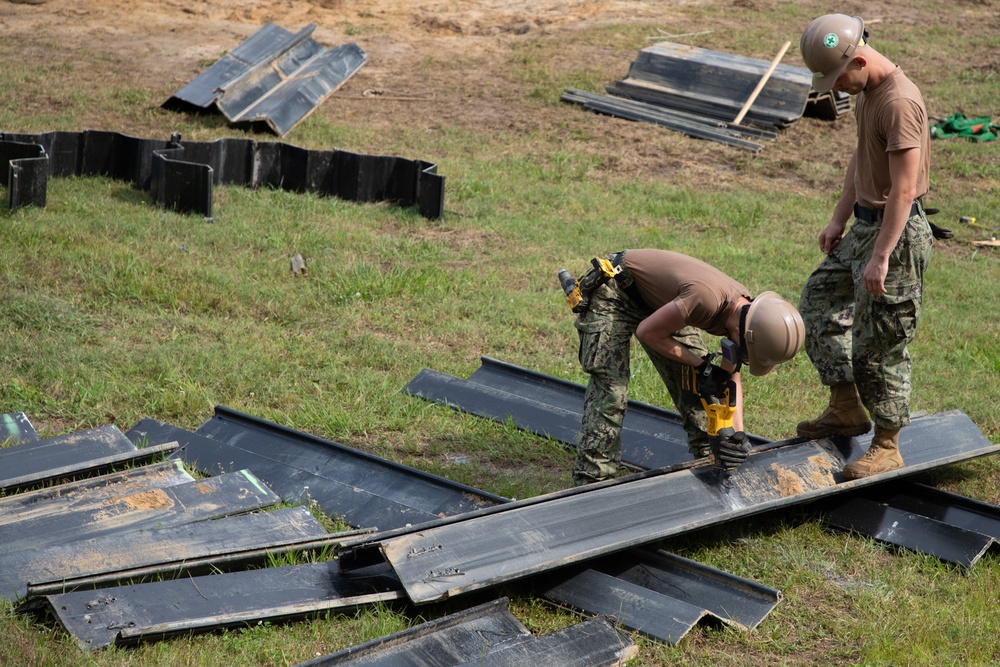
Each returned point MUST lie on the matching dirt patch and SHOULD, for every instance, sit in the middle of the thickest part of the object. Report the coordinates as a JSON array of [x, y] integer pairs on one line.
[[155, 499]]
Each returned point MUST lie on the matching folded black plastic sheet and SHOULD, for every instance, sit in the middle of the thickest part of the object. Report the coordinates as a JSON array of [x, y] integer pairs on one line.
[[529, 537], [367, 491], [659, 594], [159, 551], [273, 76], [951, 527], [79, 454], [134, 510], [182, 174], [24, 169], [651, 437], [15, 427], [89, 492], [143, 612], [487, 635]]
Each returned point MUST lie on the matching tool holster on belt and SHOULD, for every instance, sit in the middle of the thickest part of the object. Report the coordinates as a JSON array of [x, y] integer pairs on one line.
[[579, 291]]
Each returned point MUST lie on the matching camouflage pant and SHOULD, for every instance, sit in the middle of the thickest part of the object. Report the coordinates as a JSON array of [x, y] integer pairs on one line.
[[606, 331], [852, 336]]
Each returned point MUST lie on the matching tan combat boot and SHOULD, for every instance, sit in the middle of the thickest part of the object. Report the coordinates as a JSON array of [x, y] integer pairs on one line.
[[844, 416], [882, 456]]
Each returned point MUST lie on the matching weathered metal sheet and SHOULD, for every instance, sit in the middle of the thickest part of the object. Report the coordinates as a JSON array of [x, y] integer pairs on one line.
[[176, 548], [182, 174], [76, 454], [273, 77], [366, 490], [141, 612], [651, 437], [910, 531], [15, 427], [442, 642], [134, 510], [718, 83], [522, 539], [487, 635], [661, 594], [90, 492], [678, 121]]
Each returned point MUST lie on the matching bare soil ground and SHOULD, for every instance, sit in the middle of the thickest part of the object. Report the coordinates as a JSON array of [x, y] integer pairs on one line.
[[435, 64], [438, 65]]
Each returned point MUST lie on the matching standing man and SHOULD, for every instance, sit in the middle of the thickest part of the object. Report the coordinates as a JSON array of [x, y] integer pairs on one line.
[[862, 304], [664, 298]]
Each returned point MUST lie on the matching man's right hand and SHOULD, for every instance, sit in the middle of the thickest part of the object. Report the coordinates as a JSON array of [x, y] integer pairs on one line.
[[830, 237], [710, 379]]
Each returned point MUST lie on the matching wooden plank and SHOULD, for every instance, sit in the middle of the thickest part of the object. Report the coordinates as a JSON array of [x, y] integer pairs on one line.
[[141, 612], [134, 509], [518, 540], [129, 554]]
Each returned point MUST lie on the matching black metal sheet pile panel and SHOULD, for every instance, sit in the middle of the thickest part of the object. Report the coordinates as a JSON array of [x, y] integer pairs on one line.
[[157, 550], [651, 437], [660, 594], [181, 174], [273, 76], [90, 492], [15, 427], [34, 463], [486, 635], [896, 527], [366, 490], [187, 604], [716, 84], [519, 540], [134, 509]]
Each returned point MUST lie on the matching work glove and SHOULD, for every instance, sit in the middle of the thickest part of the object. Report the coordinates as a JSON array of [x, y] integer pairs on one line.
[[731, 451], [710, 379]]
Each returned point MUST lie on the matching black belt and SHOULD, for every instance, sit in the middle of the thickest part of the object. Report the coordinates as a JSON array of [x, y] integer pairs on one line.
[[875, 214], [628, 286]]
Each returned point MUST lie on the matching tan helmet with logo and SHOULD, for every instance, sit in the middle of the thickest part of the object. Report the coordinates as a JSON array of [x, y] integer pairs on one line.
[[773, 331], [828, 44]]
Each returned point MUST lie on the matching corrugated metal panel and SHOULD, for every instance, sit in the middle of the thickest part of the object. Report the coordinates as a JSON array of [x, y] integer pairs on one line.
[[237, 539], [521, 539], [273, 77], [661, 595], [128, 614], [651, 437], [366, 491], [78, 454], [181, 174]]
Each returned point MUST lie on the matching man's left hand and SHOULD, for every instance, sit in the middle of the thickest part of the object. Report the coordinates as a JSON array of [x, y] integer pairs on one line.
[[874, 276], [731, 451]]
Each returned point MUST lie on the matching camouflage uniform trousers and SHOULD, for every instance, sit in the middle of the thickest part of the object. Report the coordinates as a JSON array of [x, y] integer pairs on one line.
[[852, 336], [606, 330]]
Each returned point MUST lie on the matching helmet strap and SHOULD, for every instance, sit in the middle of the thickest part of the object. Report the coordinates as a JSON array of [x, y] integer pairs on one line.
[[743, 331]]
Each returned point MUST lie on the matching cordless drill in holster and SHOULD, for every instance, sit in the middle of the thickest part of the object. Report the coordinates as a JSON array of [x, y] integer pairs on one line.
[[579, 291]]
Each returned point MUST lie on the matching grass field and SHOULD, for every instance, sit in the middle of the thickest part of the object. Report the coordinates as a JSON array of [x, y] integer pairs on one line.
[[112, 309]]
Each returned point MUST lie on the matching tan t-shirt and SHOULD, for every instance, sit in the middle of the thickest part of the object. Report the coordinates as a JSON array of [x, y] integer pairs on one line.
[[891, 117], [703, 294]]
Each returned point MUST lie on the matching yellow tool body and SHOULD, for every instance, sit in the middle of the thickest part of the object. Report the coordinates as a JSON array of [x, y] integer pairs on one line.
[[578, 290]]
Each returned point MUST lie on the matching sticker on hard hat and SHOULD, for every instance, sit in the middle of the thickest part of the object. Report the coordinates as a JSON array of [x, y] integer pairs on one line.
[[831, 40]]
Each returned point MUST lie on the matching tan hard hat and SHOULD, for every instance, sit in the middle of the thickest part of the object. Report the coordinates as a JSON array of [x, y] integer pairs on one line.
[[828, 44], [774, 332]]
